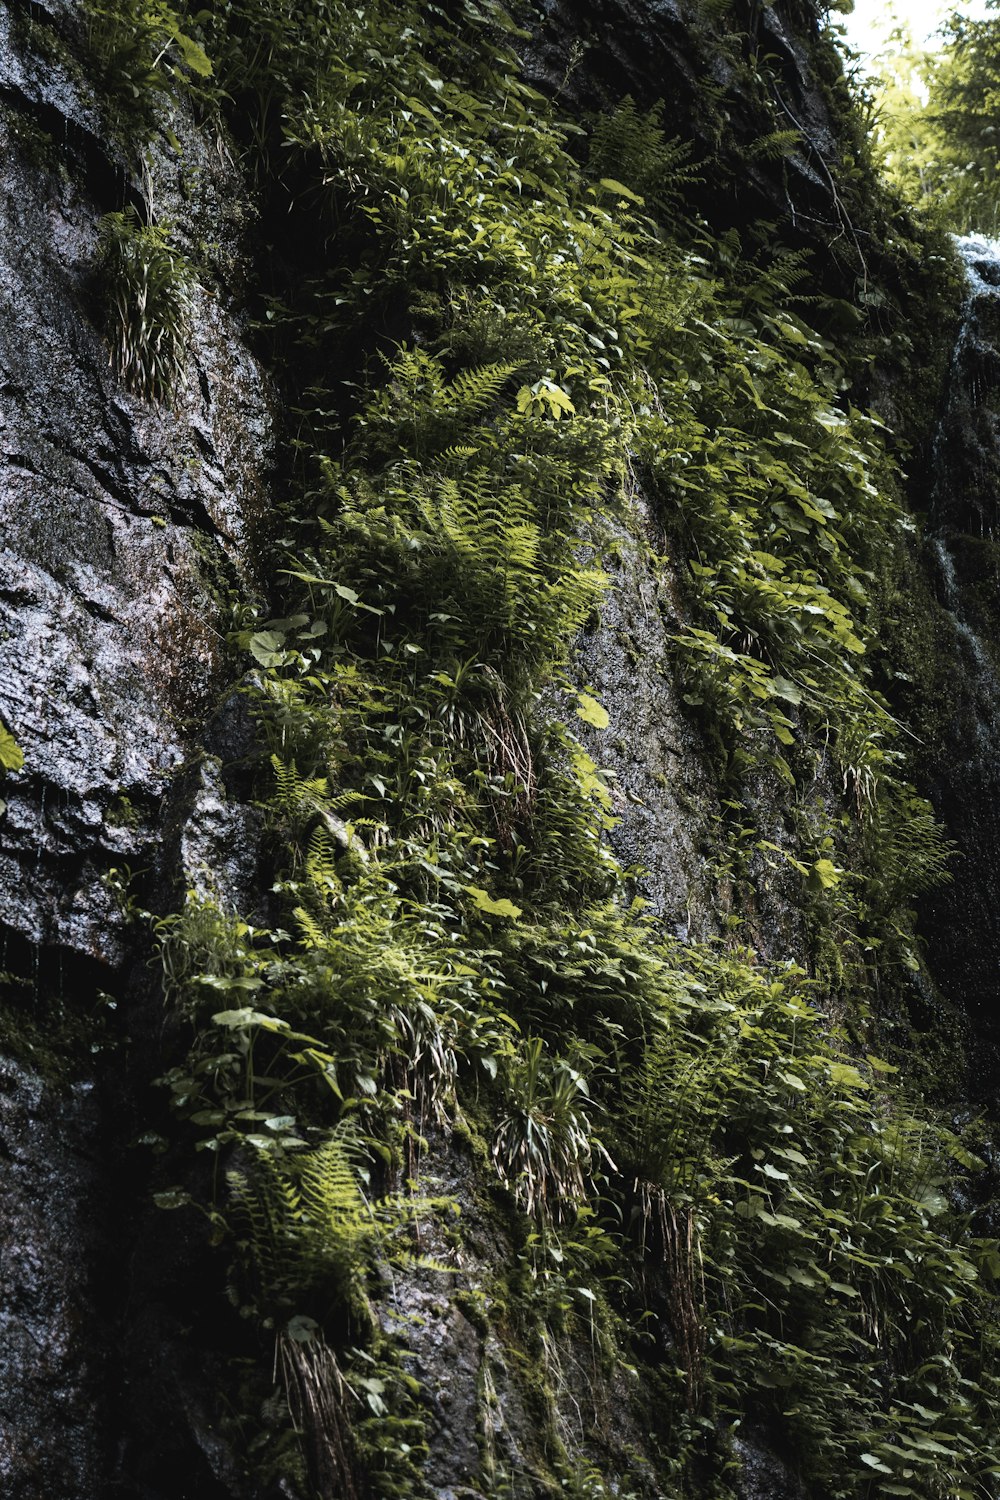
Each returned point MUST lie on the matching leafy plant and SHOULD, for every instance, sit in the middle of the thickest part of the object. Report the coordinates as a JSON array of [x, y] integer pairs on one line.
[[145, 48], [448, 924], [148, 286], [934, 120], [11, 754], [543, 1146]]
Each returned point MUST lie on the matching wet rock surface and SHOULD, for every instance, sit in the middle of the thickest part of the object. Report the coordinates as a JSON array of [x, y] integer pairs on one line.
[[662, 796], [962, 920], [52, 1343], [591, 55], [763, 1476], [212, 840], [123, 526]]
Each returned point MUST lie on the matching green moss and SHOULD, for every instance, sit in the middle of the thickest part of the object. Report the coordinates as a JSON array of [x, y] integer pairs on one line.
[[49, 1036], [123, 814], [475, 1306]]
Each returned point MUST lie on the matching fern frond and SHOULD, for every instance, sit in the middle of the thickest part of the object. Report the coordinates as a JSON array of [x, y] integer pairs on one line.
[[772, 147], [629, 146], [320, 862], [331, 1200], [304, 1217], [459, 453], [313, 935], [407, 1261], [475, 390], [292, 792]]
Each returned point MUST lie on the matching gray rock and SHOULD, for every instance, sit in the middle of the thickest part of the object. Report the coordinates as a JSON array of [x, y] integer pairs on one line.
[[659, 779], [122, 526], [762, 1475], [52, 1344]]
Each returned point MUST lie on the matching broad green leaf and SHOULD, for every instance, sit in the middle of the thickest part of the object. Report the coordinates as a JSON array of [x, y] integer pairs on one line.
[[620, 190], [847, 1076], [11, 754], [302, 1329], [194, 56], [484, 902], [824, 875], [172, 1198], [235, 1019], [878, 1066], [591, 712]]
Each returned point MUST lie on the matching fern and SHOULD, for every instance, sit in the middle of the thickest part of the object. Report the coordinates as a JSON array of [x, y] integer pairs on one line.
[[422, 410], [775, 146], [494, 540], [474, 391], [321, 863], [294, 793], [305, 1221], [630, 145]]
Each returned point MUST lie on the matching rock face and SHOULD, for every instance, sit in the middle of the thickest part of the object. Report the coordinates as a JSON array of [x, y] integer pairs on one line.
[[663, 799], [591, 55], [122, 525], [51, 1351], [963, 920], [122, 522]]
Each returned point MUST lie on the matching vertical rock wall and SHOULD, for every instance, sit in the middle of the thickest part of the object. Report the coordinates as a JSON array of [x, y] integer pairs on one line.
[[123, 524], [123, 527], [962, 665]]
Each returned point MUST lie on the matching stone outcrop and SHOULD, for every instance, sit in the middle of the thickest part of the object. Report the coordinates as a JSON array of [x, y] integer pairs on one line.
[[124, 527], [127, 531]]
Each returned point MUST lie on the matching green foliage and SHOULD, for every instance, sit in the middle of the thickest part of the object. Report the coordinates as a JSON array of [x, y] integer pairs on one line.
[[818, 1210], [630, 145], [147, 286], [936, 122], [145, 49], [448, 918], [307, 1225], [11, 754], [306, 1239], [543, 1145], [964, 84]]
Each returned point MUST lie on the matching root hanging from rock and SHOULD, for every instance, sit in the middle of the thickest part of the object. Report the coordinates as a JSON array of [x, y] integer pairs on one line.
[[318, 1400]]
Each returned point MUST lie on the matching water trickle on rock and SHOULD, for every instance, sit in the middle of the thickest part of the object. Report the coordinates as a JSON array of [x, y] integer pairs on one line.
[[964, 560], [966, 449]]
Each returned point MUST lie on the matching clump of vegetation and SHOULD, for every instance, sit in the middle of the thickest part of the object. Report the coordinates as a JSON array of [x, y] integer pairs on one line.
[[144, 50], [680, 1124], [147, 285]]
